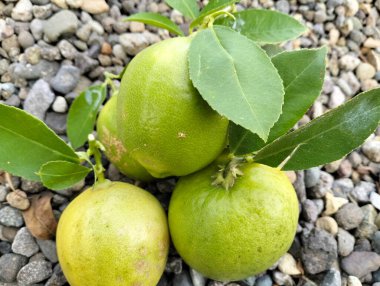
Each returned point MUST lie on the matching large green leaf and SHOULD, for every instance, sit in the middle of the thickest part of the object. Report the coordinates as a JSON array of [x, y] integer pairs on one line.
[[59, 175], [328, 137], [156, 20], [212, 7], [264, 26], [26, 143], [82, 114], [237, 79], [188, 8], [302, 73]]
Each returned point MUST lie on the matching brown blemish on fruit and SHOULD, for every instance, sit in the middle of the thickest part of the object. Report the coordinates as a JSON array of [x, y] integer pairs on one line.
[[115, 147]]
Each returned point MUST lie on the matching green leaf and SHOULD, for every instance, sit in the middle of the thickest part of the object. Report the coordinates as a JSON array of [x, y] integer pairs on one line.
[[59, 175], [212, 7], [26, 143], [237, 79], [328, 137], [188, 8], [264, 26], [240, 139], [302, 73], [272, 49], [82, 114], [156, 20]]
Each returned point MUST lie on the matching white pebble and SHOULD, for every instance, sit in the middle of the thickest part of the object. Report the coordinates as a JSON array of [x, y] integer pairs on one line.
[[60, 104]]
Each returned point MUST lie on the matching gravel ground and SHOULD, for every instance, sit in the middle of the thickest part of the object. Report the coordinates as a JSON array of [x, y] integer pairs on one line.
[[49, 54]]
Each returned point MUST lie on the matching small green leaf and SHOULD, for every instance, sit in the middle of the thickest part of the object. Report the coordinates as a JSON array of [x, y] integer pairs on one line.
[[59, 175], [302, 73], [188, 8], [26, 143], [240, 139], [156, 20], [236, 78], [82, 114], [212, 7], [328, 137], [264, 26]]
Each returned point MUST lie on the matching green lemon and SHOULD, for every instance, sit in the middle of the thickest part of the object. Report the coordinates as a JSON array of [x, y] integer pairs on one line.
[[163, 121], [113, 234], [234, 234], [115, 150]]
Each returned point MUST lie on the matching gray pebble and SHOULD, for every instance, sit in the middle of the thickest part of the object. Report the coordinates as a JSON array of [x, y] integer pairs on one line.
[[42, 11], [362, 191], [37, 28], [182, 279], [283, 6], [264, 280], [376, 243], [43, 69], [133, 43], [346, 242], [282, 279], [366, 230], [34, 272], [332, 278], [67, 50], [31, 187], [349, 216], [39, 99], [319, 251], [49, 52], [4, 65], [3, 193], [57, 279], [25, 39], [309, 211], [84, 32], [49, 249], [376, 276], [337, 98], [325, 184], [375, 200], [312, 177], [5, 247], [343, 186], [10, 265], [24, 243], [11, 217], [62, 23], [66, 79], [57, 122], [362, 244], [369, 213], [352, 81], [349, 62], [360, 263], [85, 63], [197, 278], [250, 281]]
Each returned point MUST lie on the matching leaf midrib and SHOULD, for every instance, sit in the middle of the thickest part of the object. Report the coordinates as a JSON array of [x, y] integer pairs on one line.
[[319, 134], [231, 60], [38, 144]]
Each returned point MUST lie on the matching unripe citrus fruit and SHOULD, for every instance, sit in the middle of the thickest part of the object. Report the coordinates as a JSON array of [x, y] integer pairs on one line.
[[115, 151], [113, 234], [236, 233], [164, 122]]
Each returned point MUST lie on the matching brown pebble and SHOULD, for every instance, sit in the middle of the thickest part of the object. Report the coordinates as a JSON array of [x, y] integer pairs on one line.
[[106, 48], [18, 199]]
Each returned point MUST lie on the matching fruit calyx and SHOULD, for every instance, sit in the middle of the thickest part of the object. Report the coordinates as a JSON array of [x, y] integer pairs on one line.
[[230, 171]]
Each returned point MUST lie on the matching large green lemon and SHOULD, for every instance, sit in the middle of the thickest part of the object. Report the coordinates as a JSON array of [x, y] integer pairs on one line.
[[113, 234], [115, 150], [234, 234], [165, 124]]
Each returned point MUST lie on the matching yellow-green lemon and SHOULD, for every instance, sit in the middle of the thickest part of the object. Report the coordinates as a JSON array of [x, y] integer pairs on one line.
[[164, 123], [115, 150], [113, 234], [236, 233]]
